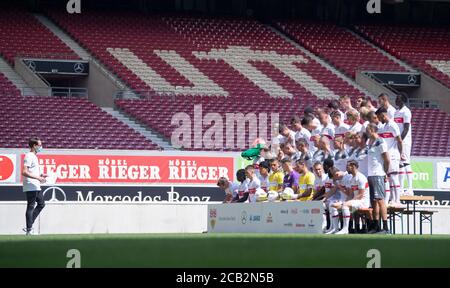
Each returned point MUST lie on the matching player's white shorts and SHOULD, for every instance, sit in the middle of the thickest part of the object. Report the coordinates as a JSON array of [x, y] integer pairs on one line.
[[358, 204], [394, 165], [337, 197]]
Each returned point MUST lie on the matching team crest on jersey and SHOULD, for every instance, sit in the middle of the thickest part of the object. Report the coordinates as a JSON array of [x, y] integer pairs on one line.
[[362, 152], [340, 155]]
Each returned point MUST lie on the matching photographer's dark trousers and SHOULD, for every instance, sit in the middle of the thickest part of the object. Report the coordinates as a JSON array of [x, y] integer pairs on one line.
[[32, 213]]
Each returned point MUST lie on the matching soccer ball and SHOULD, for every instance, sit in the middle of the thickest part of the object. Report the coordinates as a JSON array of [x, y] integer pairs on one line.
[[272, 196], [260, 195], [287, 193]]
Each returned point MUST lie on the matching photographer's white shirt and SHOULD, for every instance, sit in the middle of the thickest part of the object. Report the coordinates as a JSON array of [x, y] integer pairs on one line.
[[29, 184]]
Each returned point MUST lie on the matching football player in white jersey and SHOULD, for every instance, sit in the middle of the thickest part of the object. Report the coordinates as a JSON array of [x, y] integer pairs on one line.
[[264, 170], [346, 104], [359, 101], [383, 101], [334, 106], [242, 195], [230, 188], [391, 135], [373, 119], [340, 128], [305, 136], [254, 186], [337, 195], [327, 127], [403, 119], [340, 155], [296, 124], [319, 182], [350, 145], [353, 121], [368, 104], [360, 152], [307, 124], [286, 135], [324, 150], [300, 131], [378, 167], [359, 155], [364, 114], [359, 195], [304, 153], [315, 125], [320, 189], [289, 151]]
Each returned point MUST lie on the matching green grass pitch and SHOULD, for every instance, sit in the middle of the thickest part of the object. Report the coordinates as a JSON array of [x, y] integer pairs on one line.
[[224, 250]]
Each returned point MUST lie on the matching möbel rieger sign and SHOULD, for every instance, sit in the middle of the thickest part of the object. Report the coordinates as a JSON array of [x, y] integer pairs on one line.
[[136, 169]]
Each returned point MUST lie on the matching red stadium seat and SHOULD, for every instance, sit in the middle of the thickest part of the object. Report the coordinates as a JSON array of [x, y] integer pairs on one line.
[[415, 45], [338, 46]]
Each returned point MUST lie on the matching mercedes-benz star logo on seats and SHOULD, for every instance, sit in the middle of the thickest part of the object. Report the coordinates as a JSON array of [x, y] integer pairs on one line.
[[78, 67], [57, 194]]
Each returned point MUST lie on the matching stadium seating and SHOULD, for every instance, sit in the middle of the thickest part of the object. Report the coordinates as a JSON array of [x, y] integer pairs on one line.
[[112, 37], [61, 123], [430, 142], [338, 46], [7, 88], [64, 123], [425, 48], [22, 34], [192, 44]]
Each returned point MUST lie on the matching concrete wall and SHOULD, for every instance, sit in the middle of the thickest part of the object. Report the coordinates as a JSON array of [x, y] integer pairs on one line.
[[374, 87], [32, 80], [101, 86], [431, 89], [86, 218], [77, 218]]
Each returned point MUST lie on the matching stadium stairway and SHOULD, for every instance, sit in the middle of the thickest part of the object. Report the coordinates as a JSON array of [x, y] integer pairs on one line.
[[83, 54], [121, 116], [321, 61], [15, 78], [80, 51], [393, 58]]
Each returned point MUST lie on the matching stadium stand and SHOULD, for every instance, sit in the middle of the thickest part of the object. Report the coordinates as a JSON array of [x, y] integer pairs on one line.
[[64, 123], [22, 34], [430, 142], [426, 48], [199, 41], [7, 88], [195, 40], [338, 46]]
